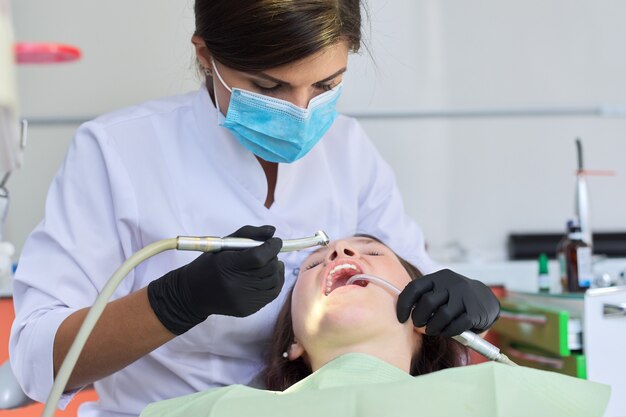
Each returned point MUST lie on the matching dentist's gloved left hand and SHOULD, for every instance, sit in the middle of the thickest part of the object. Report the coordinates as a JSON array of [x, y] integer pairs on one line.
[[448, 303], [234, 283]]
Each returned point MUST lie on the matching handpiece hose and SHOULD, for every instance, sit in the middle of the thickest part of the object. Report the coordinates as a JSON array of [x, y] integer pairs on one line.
[[201, 244]]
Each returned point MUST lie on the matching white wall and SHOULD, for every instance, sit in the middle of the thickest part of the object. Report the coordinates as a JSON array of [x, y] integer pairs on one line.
[[132, 51], [518, 174], [473, 181], [470, 181]]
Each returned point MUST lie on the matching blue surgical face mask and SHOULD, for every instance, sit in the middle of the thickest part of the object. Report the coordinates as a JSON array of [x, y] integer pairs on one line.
[[277, 130]]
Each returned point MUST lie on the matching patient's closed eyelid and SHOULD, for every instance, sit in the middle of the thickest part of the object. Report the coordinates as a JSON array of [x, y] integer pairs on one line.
[[372, 247], [312, 264]]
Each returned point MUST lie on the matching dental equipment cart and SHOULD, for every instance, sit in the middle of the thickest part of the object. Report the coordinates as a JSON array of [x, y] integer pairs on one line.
[[578, 334]]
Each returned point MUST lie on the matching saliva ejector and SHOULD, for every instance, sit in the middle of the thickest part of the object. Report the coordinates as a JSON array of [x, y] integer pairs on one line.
[[187, 243], [467, 338]]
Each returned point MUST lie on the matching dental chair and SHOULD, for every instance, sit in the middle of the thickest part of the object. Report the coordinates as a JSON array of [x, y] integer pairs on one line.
[[11, 394], [13, 401]]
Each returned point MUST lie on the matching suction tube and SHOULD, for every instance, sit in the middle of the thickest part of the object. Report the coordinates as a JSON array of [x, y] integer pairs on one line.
[[201, 244], [467, 338]]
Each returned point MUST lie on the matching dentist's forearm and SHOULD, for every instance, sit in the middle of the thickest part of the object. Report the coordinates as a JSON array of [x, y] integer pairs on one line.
[[127, 330]]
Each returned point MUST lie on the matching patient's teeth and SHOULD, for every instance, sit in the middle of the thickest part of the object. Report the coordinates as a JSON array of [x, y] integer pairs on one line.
[[340, 267], [337, 268]]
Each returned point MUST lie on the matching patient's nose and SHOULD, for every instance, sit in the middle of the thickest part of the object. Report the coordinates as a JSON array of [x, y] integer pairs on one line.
[[341, 248]]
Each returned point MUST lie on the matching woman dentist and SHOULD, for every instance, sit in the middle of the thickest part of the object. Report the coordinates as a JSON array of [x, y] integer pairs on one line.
[[261, 143]]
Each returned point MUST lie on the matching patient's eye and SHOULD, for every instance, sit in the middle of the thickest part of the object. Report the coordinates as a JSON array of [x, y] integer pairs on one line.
[[312, 264], [373, 249]]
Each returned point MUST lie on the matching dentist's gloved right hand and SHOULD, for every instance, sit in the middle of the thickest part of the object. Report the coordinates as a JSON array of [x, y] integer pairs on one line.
[[231, 283]]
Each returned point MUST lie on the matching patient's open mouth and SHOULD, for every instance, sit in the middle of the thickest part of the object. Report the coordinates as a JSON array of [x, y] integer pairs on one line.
[[339, 276]]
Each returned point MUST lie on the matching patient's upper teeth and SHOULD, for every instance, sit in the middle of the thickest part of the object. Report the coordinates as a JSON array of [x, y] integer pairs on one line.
[[340, 267], [337, 268]]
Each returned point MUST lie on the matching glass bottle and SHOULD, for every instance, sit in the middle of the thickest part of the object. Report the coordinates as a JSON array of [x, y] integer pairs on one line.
[[578, 262], [560, 252], [543, 276]]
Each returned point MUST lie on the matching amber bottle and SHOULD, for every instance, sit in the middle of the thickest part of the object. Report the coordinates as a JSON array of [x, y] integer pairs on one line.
[[578, 263]]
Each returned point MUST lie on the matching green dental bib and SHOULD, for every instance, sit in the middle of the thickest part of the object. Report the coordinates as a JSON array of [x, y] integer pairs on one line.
[[362, 386]]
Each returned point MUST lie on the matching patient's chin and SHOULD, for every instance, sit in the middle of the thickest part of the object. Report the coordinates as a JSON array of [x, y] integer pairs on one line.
[[355, 320], [347, 314]]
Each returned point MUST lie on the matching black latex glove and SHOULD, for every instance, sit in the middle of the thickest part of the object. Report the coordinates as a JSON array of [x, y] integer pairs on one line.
[[448, 304], [230, 283]]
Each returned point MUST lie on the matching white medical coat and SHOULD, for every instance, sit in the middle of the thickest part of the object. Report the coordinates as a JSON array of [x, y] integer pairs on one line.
[[164, 169]]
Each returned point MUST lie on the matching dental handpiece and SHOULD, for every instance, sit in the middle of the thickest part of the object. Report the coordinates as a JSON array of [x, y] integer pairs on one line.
[[201, 244], [217, 244], [467, 338]]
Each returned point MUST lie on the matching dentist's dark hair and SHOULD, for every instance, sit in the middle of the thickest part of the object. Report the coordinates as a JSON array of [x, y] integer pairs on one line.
[[436, 352], [255, 35]]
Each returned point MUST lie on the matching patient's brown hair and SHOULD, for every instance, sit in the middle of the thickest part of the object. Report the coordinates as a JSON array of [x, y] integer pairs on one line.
[[435, 353]]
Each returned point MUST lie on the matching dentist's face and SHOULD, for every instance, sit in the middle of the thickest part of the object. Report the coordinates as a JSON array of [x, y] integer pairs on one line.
[[325, 308]]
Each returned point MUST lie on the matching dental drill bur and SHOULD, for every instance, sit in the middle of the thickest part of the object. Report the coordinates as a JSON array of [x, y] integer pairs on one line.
[[217, 244], [467, 338]]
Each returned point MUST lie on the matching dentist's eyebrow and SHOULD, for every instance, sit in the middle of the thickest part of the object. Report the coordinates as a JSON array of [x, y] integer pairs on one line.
[[283, 82], [330, 77]]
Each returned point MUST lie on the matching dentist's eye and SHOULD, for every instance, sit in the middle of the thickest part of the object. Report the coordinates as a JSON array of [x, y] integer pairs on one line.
[[325, 87], [312, 265], [267, 89]]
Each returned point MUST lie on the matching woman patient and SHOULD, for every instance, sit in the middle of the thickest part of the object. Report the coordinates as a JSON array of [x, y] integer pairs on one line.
[[339, 350], [323, 318]]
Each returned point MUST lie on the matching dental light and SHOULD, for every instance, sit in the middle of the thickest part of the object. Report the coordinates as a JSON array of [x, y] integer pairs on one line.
[[12, 135], [10, 144]]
